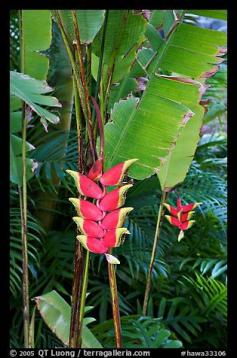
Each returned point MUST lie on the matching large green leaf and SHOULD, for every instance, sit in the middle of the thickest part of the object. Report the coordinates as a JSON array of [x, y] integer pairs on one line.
[[124, 29], [36, 33], [191, 51], [123, 36], [145, 131], [217, 14], [121, 90], [32, 92], [89, 23], [16, 160], [56, 313], [15, 121], [174, 169], [152, 130]]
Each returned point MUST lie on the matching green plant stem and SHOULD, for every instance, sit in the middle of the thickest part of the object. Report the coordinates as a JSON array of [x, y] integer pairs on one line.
[[25, 278], [78, 251], [101, 128], [76, 295], [24, 239], [79, 81], [83, 297], [99, 74], [111, 64], [84, 84], [23, 207], [78, 122], [115, 304], [88, 67], [153, 254], [99, 81]]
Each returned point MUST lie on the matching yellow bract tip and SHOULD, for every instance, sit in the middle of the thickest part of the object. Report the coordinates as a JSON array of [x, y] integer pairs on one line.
[[82, 239], [129, 162], [78, 220], [74, 201]]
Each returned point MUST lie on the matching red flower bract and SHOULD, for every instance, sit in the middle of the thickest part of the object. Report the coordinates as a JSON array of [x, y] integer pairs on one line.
[[93, 244], [87, 210], [86, 186], [115, 175], [96, 170], [89, 227], [115, 199], [115, 218], [112, 237]]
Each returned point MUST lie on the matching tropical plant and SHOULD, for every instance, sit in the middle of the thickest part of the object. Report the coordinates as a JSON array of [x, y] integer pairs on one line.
[[105, 86]]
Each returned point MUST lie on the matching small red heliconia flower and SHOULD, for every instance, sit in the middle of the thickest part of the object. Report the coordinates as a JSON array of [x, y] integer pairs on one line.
[[180, 208], [187, 224], [172, 209], [185, 216], [181, 216], [101, 224], [186, 208], [173, 221], [181, 225]]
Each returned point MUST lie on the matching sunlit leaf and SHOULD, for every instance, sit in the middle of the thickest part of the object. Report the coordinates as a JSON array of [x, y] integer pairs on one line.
[[36, 33], [32, 92], [89, 23], [56, 313]]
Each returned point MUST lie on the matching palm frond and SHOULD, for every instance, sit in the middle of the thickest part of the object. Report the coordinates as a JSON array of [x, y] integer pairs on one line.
[[210, 295], [56, 259], [181, 317], [210, 266], [35, 234]]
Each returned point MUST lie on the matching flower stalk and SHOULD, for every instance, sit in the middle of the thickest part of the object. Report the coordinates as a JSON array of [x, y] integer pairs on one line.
[[83, 295], [153, 254], [81, 94], [115, 304], [84, 83], [100, 222], [76, 296], [23, 207], [75, 326]]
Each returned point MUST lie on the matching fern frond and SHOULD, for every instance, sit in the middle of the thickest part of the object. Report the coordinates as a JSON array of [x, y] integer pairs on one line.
[[142, 332]]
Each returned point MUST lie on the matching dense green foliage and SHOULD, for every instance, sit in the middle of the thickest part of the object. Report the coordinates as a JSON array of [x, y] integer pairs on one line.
[[188, 304]]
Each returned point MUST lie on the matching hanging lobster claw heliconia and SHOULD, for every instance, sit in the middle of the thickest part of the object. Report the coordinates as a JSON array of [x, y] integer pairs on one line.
[[180, 216], [101, 223]]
